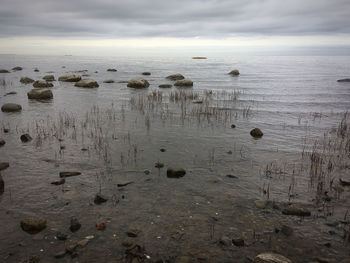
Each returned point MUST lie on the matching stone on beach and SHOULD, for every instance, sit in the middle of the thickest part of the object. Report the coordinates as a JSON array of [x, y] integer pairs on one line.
[[184, 83], [40, 94], [70, 78], [33, 225], [42, 84], [26, 80], [86, 83], [177, 76], [11, 107], [138, 83]]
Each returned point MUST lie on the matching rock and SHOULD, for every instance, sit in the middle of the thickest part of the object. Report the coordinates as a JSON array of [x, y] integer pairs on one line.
[[286, 230], [296, 210], [159, 165], [234, 72], [4, 165], [200, 101], [225, 241], [165, 86], [184, 259], [49, 78], [108, 81], [199, 57], [175, 77], [231, 176], [138, 83], [184, 83], [175, 172], [2, 142], [11, 107], [26, 137], [42, 84], [40, 94], [87, 83], [202, 256], [233, 126], [256, 133], [36, 70], [2, 185], [69, 78], [322, 260], [123, 81], [74, 224], [17, 68], [61, 236], [11, 93], [83, 243], [238, 242], [147, 172], [6, 130], [344, 182], [146, 73], [124, 184], [69, 174], [162, 150], [59, 182], [128, 243], [26, 80], [271, 258], [101, 226], [343, 80], [33, 225], [4, 71], [71, 249], [60, 254], [262, 204], [112, 70], [133, 232], [99, 199]]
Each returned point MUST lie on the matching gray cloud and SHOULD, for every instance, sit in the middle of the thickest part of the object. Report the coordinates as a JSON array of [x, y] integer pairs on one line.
[[182, 18]]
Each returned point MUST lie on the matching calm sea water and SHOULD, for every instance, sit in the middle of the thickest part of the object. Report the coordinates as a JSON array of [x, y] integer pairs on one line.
[[291, 99]]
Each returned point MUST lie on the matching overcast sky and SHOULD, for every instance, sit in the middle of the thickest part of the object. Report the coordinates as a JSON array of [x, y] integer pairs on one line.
[[186, 22]]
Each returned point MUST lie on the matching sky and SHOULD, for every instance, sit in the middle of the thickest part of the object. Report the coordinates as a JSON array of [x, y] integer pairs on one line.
[[193, 26]]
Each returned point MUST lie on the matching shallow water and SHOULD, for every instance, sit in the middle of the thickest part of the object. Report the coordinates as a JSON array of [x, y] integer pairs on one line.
[[291, 99]]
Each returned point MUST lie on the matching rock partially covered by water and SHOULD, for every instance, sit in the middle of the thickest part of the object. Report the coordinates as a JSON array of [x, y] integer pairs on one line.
[[87, 83], [99, 199], [271, 258], [11, 107], [177, 76], [74, 224], [69, 174], [146, 73], [25, 137], [26, 80], [138, 83], [165, 86], [2, 185], [173, 172], [17, 68], [2, 142], [33, 225], [40, 94], [343, 80], [4, 165], [42, 84], [296, 210], [112, 70], [4, 71], [256, 133], [108, 81], [184, 83], [234, 72], [70, 78], [49, 77]]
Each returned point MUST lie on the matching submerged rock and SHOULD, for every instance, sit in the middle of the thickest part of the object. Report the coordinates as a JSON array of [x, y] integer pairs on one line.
[[74, 224], [40, 94], [11, 107], [17, 68], [184, 83], [165, 86], [4, 165], [138, 83], [343, 80], [42, 84], [296, 210], [69, 174], [177, 76], [234, 72], [271, 258], [4, 71], [26, 137], [33, 225], [87, 83], [146, 73], [99, 199], [256, 133], [112, 70], [69, 78], [108, 81], [2, 142], [26, 80], [175, 172], [49, 77]]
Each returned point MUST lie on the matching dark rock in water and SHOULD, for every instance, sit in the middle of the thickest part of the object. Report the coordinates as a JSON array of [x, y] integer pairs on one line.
[[271, 258], [40, 94], [17, 68], [147, 171], [175, 172], [138, 83], [225, 241], [238, 242], [26, 138], [112, 70], [133, 232], [61, 236], [323, 260], [231, 176], [233, 126], [4, 71], [2, 142], [69, 174], [123, 81], [49, 78], [74, 224], [69, 78], [159, 165], [184, 83], [36, 70], [343, 80], [11, 107], [4, 165], [87, 83], [101, 226], [6, 130], [124, 184], [99, 199], [199, 57], [296, 210], [286, 230], [59, 182], [344, 182], [234, 72], [146, 73], [33, 225], [26, 80], [165, 86], [256, 133], [2, 185], [42, 84], [60, 254], [108, 81], [175, 77], [11, 93], [162, 150]]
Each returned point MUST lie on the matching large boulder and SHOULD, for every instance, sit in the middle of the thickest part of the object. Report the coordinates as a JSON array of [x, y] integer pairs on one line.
[[343, 80], [184, 83], [4, 71], [33, 225], [87, 83], [177, 76], [11, 107], [234, 72], [70, 78], [271, 258], [26, 80], [49, 78], [138, 83], [40, 94], [42, 84], [17, 68]]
